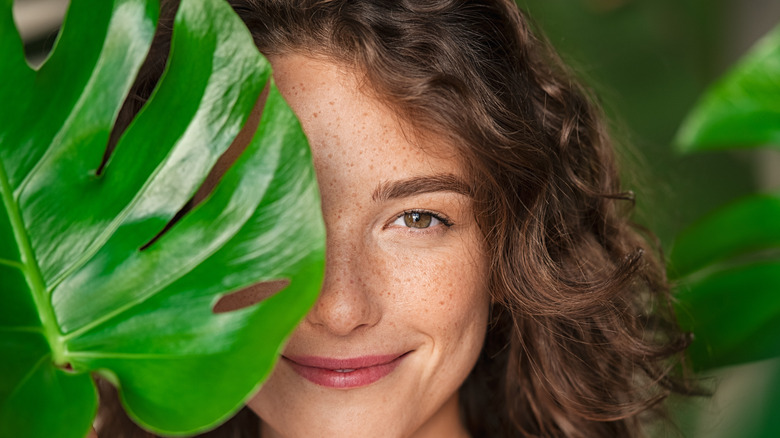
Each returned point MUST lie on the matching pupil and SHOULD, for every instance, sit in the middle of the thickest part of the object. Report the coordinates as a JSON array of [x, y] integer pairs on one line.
[[417, 220]]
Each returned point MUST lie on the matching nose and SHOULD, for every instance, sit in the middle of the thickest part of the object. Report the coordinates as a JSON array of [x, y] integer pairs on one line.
[[347, 302]]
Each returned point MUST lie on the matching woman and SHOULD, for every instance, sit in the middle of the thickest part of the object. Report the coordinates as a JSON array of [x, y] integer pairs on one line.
[[482, 276]]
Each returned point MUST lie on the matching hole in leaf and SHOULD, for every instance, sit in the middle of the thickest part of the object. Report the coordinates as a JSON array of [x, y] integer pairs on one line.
[[179, 214], [38, 24], [146, 81], [222, 165], [249, 295]]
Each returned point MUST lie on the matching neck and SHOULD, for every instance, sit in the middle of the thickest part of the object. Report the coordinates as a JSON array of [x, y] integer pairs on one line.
[[445, 422]]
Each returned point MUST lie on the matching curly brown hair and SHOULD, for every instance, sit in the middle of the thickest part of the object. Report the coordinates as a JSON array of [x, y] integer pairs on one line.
[[582, 340]]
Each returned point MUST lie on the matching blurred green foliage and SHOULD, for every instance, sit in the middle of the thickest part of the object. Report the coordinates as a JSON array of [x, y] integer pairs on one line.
[[648, 61], [727, 264]]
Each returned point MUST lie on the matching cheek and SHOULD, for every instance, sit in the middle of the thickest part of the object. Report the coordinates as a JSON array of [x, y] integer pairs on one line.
[[443, 293]]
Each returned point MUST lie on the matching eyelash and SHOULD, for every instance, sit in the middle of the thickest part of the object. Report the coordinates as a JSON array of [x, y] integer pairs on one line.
[[438, 216]]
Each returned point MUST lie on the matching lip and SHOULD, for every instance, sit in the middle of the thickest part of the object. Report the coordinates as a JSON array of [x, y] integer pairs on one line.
[[344, 373]]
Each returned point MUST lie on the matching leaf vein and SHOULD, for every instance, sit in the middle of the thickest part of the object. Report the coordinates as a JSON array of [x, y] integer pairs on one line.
[[12, 263]]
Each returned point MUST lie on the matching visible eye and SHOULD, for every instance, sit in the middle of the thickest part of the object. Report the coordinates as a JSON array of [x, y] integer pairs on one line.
[[420, 219]]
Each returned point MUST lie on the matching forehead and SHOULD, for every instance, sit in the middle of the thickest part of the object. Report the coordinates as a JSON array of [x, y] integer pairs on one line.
[[346, 124]]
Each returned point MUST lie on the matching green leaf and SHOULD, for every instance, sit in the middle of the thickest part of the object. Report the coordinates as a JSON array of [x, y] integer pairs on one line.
[[38, 399], [729, 282], [747, 226], [734, 315], [742, 109], [87, 287]]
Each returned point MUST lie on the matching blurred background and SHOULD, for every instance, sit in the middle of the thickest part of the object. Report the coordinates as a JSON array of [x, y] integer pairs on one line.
[[648, 61]]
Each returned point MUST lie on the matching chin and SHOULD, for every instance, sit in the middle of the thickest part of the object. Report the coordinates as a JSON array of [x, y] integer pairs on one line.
[[405, 403]]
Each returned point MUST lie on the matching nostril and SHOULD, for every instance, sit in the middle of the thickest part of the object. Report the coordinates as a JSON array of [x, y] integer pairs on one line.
[[249, 296]]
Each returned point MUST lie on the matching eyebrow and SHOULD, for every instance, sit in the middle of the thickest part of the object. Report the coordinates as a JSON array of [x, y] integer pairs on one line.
[[445, 182]]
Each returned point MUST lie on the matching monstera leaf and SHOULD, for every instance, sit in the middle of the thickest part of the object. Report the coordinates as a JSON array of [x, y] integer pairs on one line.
[[100, 272]]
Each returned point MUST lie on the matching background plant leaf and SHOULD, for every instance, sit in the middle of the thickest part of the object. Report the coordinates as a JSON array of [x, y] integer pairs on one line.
[[748, 226], [742, 109], [726, 263], [734, 315], [82, 287]]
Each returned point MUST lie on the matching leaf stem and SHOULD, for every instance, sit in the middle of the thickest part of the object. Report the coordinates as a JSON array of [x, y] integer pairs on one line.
[[32, 272]]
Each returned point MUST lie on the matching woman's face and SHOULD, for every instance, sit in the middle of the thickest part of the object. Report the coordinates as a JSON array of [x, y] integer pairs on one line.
[[403, 309]]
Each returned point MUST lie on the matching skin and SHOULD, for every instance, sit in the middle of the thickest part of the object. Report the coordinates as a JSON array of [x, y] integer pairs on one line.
[[389, 288]]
